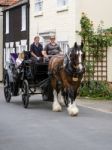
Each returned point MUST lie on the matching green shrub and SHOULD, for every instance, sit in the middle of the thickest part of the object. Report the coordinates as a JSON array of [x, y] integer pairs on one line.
[[95, 89]]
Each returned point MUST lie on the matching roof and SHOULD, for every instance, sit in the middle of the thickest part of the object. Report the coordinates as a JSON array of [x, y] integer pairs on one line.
[[15, 4], [7, 2]]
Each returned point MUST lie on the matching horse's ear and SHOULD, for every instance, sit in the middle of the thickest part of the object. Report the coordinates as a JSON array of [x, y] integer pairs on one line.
[[82, 45], [75, 45]]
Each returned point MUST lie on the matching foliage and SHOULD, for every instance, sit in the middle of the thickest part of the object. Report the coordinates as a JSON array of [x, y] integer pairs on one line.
[[96, 89], [95, 41]]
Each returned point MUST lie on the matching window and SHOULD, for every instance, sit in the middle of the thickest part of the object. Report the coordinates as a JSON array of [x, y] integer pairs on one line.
[[62, 3], [12, 49], [23, 46], [18, 50], [7, 22], [23, 21], [38, 6], [64, 46]]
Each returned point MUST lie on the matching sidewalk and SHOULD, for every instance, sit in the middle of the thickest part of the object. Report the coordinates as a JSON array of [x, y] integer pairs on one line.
[[100, 105], [1, 84]]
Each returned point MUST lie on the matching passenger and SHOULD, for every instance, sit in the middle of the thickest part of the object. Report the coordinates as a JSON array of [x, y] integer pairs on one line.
[[20, 59], [36, 48], [52, 48]]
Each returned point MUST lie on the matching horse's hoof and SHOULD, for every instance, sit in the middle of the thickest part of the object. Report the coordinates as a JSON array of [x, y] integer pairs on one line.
[[57, 109], [73, 111]]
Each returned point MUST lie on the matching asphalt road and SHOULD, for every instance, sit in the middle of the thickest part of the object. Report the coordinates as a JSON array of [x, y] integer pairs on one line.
[[38, 128]]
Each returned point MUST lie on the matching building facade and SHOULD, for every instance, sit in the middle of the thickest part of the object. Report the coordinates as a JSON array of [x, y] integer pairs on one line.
[[62, 18], [46, 17], [16, 29], [97, 11], [3, 4], [53, 17]]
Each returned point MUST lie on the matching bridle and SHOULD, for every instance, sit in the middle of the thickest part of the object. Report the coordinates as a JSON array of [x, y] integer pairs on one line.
[[71, 68]]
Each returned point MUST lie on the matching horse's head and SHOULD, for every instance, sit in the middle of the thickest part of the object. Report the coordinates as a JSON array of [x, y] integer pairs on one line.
[[77, 57]]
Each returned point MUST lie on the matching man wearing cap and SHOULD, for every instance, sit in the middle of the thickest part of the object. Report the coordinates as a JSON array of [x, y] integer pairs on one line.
[[52, 48], [36, 48]]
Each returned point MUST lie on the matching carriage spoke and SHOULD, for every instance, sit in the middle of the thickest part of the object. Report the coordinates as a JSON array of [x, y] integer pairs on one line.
[[25, 95]]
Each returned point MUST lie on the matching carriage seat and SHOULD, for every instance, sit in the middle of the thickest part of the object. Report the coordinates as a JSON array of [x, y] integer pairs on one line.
[[13, 57]]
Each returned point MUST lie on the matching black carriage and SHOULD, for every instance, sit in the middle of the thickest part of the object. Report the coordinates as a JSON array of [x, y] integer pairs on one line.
[[31, 77]]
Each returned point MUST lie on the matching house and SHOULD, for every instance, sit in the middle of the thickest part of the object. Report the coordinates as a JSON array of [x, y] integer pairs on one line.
[[3, 4], [62, 18], [16, 28], [53, 17], [97, 11]]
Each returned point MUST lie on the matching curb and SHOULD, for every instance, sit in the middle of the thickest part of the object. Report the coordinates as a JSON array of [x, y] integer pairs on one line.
[[1, 85]]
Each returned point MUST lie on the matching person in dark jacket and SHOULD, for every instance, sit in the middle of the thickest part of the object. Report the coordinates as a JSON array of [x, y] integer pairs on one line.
[[36, 48]]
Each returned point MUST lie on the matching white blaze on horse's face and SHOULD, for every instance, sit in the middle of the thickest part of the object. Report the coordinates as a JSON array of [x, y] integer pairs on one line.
[[80, 60]]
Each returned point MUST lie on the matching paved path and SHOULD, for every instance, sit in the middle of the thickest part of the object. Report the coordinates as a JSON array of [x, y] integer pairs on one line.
[[99, 105], [38, 128]]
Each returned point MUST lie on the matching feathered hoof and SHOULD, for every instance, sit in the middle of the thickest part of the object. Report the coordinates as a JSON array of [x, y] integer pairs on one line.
[[73, 111], [57, 108], [62, 103]]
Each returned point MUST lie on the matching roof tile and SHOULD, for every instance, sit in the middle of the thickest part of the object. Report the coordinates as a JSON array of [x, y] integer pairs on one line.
[[7, 2]]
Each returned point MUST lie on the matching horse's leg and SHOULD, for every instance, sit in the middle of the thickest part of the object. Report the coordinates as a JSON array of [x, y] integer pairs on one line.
[[72, 108], [61, 98], [56, 105]]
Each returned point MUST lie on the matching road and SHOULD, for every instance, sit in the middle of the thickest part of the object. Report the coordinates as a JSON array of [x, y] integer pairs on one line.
[[38, 128]]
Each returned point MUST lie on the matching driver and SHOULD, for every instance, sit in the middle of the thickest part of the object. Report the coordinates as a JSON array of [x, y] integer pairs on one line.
[[52, 48]]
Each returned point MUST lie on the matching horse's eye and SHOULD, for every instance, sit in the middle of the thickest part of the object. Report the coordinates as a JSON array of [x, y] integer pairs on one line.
[[83, 56]]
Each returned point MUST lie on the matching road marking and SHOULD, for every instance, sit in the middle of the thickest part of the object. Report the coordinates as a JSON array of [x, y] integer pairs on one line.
[[97, 109]]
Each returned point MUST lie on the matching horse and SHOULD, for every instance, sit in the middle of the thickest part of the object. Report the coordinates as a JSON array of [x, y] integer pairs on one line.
[[66, 73]]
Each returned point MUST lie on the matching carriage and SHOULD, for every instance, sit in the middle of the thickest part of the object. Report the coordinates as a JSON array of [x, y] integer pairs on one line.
[[30, 78], [59, 86]]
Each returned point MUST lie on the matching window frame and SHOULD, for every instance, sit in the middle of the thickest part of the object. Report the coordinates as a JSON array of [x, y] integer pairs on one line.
[[62, 5], [23, 18], [38, 7], [7, 22], [63, 45]]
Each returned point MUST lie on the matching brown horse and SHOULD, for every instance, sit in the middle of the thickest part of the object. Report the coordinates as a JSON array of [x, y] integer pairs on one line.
[[66, 75]]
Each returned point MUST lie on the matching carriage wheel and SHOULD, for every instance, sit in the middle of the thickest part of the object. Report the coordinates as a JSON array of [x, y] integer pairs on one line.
[[7, 89], [25, 95]]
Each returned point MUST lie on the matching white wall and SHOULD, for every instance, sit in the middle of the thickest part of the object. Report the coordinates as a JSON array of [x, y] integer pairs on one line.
[[61, 22], [1, 45], [96, 10], [109, 65], [66, 23]]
